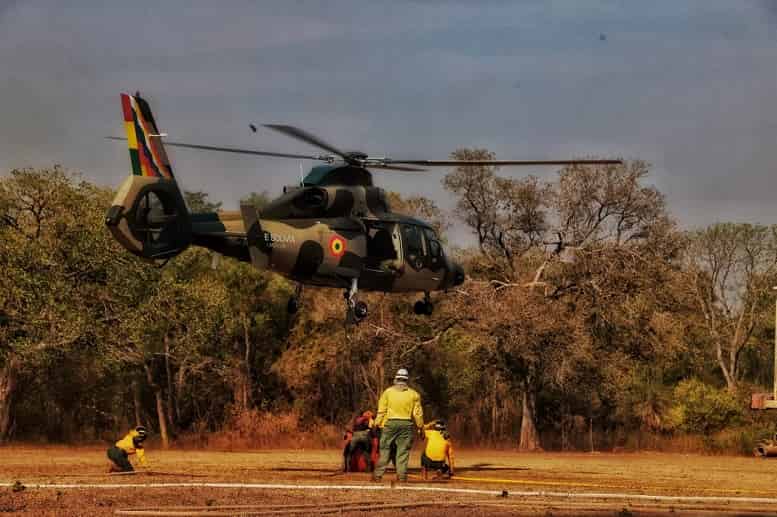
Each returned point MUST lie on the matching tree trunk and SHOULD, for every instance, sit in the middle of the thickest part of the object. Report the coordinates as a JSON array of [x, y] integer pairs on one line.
[[179, 384], [248, 365], [8, 382], [530, 438], [238, 388], [564, 418], [591, 433], [160, 407], [136, 402], [494, 411], [170, 388], [730, 381]]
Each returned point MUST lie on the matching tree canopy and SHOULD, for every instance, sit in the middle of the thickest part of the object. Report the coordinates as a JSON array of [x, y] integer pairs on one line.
[[588, 318]]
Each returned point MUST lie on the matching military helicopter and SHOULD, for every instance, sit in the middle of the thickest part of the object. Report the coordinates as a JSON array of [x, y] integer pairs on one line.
[[335, 229]]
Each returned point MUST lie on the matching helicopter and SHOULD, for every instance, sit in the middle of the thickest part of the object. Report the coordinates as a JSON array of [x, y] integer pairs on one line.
[[335, 229]]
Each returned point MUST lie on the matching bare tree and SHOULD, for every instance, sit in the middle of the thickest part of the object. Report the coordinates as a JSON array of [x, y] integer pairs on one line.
[[605, 203], [508, 216], [616, 227], [731, 268]]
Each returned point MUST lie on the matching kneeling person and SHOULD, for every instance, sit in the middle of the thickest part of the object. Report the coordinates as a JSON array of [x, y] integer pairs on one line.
[[132, 443], [358, 447], [439, 449]]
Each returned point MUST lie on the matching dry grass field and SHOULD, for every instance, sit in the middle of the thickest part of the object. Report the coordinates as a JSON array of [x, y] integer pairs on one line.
[[73, 481]]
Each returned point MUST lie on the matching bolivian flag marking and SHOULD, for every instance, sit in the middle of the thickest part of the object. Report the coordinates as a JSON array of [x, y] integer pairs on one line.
[[337, 246]]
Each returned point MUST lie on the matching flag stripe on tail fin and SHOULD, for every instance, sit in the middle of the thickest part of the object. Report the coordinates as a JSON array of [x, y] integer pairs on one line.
[[147, 154], [129, 127]]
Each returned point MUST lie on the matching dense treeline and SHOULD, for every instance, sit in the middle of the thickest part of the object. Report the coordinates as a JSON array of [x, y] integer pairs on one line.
[[589, 320]]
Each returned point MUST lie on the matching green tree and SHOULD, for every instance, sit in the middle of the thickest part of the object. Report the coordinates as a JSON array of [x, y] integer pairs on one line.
[[55, 258], [199, 202], [257, 199]]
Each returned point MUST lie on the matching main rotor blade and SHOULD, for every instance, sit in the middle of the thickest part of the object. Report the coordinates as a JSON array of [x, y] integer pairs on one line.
[[301, 134], [403, 168], [234, 150], [448, 163]]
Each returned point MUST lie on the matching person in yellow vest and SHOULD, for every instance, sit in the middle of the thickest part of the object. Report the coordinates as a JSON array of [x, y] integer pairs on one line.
[[132, 443], [438, 454], [399, 413]]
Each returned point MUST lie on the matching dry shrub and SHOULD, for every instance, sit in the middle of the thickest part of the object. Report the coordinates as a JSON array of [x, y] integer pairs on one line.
[[255, 429], [728, 442]]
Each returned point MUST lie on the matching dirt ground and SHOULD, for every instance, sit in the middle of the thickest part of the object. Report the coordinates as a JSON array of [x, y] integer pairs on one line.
[[73, 481]]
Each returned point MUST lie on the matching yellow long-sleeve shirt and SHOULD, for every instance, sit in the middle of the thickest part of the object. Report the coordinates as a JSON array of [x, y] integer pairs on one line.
[[438, 448], [401, 403], [130, 446]]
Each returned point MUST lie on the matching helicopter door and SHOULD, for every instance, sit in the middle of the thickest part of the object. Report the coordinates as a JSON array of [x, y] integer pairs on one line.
[[383, 251], [418, 274]]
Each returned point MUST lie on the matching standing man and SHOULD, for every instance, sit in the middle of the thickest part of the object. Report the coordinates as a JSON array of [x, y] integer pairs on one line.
[[399, 413]]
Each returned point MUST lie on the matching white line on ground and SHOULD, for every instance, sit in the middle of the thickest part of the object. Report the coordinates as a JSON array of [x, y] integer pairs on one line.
[[512, 493]]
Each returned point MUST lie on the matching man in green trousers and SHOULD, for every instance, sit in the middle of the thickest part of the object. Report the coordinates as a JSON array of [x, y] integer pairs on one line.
[[399, 414]]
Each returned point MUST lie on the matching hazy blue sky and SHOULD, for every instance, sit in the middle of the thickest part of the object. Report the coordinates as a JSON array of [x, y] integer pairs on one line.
[[689, 86]]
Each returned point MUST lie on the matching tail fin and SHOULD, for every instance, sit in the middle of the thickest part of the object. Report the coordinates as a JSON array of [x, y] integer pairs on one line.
[[147, 153], [148, 216]]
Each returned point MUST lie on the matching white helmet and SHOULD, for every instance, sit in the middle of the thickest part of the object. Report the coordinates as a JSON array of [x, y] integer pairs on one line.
[[401, 375]]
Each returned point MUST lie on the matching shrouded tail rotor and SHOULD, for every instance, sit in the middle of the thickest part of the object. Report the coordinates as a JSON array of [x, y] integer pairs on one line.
[[148, 216]]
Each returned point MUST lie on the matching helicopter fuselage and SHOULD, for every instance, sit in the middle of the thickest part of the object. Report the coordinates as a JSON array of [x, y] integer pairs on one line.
[[327, 236], [314, 235]]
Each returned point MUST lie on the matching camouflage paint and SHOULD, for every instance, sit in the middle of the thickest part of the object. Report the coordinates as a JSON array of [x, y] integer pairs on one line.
[[315, 234]]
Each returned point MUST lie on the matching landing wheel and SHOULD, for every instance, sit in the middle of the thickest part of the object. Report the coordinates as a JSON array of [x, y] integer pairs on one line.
[[293, 305], [360, 310], [423, 307], [355, 311]]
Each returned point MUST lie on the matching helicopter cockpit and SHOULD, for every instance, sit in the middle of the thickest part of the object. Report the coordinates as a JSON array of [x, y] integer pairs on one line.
[[422, 248], [390, 244]]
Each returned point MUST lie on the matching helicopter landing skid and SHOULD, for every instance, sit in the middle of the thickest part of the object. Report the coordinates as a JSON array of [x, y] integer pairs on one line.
[[424, 307], [355, 310]]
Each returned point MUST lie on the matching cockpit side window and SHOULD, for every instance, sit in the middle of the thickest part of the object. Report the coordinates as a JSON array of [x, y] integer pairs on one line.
[[432, 244], [413, 245], [311, 202], [412, 241], [380, 245]]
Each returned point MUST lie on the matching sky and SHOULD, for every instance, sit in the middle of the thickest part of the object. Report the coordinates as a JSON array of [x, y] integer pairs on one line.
[[689, 86]]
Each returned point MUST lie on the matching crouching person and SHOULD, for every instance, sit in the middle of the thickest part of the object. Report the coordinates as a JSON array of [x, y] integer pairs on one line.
[[361, 440], [438, 454], [357, 452], [132, 443]]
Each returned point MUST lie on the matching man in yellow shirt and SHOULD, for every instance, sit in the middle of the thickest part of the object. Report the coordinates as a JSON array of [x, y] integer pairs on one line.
[[132, 443], [438, 449], [399, 412]]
